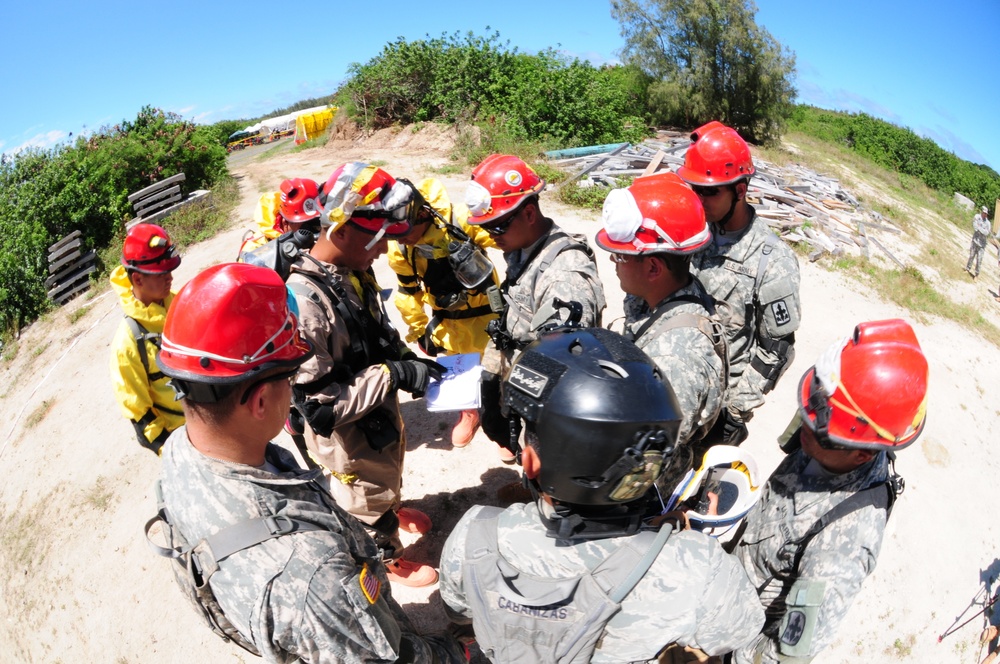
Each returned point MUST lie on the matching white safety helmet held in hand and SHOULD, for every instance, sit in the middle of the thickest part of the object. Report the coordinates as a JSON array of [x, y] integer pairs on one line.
[[730, 473]]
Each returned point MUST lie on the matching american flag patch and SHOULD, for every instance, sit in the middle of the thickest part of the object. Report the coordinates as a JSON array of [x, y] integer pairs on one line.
[[370, 585]]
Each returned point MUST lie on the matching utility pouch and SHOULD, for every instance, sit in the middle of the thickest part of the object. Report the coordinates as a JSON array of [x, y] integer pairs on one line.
[[496, 299], [379, 429]]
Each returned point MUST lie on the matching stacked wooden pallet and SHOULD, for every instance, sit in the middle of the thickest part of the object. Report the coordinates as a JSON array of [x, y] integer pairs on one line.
[[797, 203], [69, 268], [159, 200]]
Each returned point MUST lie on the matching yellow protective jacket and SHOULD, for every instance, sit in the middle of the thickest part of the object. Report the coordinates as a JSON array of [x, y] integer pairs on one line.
[[265, 216], [424, 274], [143, 395]]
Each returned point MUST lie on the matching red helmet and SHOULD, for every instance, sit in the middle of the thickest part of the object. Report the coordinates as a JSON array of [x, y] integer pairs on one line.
[[300, 200], [500, 184], [229, 324], [717, 156], [148, 249], [868, 392], [656, 214], [369, 198]]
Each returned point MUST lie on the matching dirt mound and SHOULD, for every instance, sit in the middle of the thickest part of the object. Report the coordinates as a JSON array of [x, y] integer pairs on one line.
[[424, 137]]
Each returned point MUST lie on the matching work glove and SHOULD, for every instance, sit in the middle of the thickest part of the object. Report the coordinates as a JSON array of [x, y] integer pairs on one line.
[[734, 430], [414, 375], [427, 345]]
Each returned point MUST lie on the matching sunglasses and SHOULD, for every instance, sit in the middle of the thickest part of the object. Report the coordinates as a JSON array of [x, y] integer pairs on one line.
[[621, 258], [706, 192], [501, 228]]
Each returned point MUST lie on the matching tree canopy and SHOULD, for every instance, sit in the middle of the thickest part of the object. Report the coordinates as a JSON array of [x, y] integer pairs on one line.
[[710, 61]]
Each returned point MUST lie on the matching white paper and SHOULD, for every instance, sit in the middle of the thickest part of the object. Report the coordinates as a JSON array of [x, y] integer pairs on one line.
[[458, 389]]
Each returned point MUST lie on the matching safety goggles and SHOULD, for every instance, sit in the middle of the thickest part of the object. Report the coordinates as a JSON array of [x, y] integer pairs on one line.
[[268, 349]]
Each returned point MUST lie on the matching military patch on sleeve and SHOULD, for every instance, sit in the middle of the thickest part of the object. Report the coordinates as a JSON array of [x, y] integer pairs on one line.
[[796, 625], [780, 311], [370, 585]]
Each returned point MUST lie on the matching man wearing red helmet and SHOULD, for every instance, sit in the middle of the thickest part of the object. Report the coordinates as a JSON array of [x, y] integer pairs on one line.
[[142, 283], [308, 585], [816, 532], [550, 274], [652, 229], [347, 392], [295, 205], [747, 266]]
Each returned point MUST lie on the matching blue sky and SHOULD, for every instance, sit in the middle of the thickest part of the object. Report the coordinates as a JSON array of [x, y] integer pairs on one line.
[[73, 67]]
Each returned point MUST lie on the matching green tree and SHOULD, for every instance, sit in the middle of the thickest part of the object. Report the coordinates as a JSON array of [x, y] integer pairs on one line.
[[710, 61]]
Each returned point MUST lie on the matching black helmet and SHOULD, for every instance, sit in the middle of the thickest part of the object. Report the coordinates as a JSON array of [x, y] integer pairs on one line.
[[602, 420]]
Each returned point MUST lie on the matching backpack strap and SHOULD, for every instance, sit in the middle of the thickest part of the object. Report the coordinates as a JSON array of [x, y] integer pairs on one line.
[[880, 496], [639, 571], [141, 336]]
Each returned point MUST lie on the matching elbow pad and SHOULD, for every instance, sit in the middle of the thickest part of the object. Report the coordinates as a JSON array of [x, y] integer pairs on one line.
[[798, 626]]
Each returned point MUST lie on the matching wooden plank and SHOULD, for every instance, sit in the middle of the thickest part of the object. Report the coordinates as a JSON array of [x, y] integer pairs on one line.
[[86, 259], [886, 252], [158, 205], [864, 238], [65, 249], [163, 193], [588, 169], [72, 279], [69, 238], [73, 292], [68, 258], [654, 163], [155, 187]]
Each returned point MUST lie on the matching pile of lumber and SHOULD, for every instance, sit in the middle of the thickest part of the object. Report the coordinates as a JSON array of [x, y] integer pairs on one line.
[[800, 205]]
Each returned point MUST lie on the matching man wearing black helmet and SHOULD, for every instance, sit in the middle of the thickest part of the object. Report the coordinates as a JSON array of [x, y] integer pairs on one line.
[[578, 572]]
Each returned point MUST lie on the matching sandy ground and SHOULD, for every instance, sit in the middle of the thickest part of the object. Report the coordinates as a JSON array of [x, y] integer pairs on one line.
[[78, 583]]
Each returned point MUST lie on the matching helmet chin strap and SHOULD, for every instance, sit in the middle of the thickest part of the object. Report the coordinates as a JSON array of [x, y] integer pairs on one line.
[[721, 223]]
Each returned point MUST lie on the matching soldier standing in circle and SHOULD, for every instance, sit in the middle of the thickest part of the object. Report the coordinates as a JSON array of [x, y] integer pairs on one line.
[[747, 266], [578, 573], [319, 593], [652, 229], [142, 283], [347, 392], [816, 533], [550, 273]]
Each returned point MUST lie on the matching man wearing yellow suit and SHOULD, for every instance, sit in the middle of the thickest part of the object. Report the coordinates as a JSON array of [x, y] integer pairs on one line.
[[429, 265]]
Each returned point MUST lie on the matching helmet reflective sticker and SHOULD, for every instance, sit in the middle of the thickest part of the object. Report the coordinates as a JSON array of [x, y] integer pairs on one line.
[[513, 178]]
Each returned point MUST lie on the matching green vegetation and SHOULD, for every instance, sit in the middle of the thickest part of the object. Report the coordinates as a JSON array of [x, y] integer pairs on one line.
[[901, 151], [45, 195], [481, 80], [38, 414], [708, 60]]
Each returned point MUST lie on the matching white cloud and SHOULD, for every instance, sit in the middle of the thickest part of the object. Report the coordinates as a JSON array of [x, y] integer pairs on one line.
[[43, 141]]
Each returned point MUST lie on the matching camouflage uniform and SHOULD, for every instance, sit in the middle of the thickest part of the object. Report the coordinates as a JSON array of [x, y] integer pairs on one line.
[[531, 286], [980, 234], [299, 595], [365, 481], [694, 593], [833, 565], [687, 359], [728, 272]]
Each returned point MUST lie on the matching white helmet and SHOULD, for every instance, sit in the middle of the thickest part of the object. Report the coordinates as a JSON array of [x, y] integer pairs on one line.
[[985, 209], [731, 474]]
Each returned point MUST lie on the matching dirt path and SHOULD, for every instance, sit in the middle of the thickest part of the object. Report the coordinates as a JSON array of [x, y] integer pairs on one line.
[[77, 582]]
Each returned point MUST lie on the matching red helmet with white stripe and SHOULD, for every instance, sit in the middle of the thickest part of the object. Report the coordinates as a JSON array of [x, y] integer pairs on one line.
[[656, 214]]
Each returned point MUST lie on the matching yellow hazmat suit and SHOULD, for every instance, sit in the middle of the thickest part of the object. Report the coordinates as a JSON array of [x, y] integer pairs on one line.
[[425, 277], [144, 396], [266, 218]]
